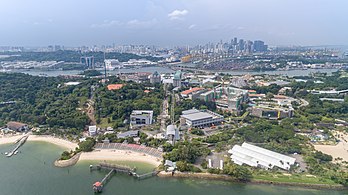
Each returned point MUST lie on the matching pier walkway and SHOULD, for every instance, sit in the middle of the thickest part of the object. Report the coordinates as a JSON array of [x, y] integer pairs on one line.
[[114, 168], [19, 143]]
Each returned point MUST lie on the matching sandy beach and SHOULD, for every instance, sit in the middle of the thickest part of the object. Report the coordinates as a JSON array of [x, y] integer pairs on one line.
[[53, 140], [9, 139], [339, 150], [99, 155], [50, 139], [120, 155]]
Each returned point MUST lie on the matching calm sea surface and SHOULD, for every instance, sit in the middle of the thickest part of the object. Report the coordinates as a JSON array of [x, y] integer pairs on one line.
[[167, 70], [31, 172]]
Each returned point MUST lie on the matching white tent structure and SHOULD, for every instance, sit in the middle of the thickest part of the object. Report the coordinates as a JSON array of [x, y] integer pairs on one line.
[[259, 157]]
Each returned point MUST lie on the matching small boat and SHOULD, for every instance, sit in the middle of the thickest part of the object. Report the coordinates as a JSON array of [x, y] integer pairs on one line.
[[6, 153], [16, 152]]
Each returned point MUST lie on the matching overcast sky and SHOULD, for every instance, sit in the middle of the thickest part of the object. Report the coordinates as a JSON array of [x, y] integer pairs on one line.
[[172, 22]]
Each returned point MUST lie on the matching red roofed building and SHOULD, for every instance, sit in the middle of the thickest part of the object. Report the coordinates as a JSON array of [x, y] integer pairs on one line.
[[190, 92], [115, 86]]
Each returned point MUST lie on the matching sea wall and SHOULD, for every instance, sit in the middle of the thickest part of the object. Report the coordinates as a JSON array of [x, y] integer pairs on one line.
[[67, 163], [210, 176]]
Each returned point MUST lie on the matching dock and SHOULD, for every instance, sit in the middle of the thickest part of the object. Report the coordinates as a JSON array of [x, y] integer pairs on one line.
[[19, 143], [113, 169]]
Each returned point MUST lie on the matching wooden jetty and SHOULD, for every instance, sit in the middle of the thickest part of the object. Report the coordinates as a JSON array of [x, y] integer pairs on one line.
[[114, 168]]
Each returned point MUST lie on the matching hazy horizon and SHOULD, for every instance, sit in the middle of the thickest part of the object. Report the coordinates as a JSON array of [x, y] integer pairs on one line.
[[172, 22]]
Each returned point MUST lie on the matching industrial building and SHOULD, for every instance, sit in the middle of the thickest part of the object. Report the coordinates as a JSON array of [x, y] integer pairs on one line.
[[259, 157], [203, 118], [141, 117]]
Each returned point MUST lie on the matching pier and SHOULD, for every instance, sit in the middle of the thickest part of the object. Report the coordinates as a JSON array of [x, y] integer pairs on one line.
[[19, 143], [114, 168]]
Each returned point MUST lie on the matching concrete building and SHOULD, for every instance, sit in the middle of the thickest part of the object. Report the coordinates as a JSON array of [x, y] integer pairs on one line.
[[17, 126], [155, 78], [92, 130], [204, 118], [259, 157], [141, 117]]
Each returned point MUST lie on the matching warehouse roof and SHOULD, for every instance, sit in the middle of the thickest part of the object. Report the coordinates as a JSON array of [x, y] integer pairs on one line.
[[257, 156]]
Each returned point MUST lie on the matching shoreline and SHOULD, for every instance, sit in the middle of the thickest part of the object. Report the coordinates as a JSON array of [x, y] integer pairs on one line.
[[209, 176], [95, 155], [43, 138]]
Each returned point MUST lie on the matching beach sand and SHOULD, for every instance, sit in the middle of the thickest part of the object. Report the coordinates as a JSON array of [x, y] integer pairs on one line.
[[339, 150], [120, 155], [9, 139], [44, 138], [53, 140], [99, 155]]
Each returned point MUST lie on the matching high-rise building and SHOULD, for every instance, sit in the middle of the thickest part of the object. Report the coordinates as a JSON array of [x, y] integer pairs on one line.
[[259, 46]]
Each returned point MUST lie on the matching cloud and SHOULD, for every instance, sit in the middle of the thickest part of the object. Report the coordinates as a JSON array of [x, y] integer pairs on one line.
[[107, 24], [177, 14], [141, 24], [192, 26]]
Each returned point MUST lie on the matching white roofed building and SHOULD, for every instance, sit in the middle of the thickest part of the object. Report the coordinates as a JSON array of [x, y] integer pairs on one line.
[[203, 118], [259, 157]]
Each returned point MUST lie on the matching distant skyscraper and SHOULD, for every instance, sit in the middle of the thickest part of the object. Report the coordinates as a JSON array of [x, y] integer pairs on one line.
[[259, 46], [241, 44]]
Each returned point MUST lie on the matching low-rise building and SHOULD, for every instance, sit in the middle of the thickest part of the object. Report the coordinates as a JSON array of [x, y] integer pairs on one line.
[[92, 130], [203, 118], [128, 134], [114, 86], [141, 117], [17, 126], [259, 157]]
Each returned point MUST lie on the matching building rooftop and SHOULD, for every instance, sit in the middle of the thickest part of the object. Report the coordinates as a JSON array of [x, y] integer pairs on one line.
[[195, 114], [186, 92], [115, 86]]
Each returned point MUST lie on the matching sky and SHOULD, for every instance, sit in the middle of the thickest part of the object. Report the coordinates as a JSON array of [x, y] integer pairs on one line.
[[172, 22]]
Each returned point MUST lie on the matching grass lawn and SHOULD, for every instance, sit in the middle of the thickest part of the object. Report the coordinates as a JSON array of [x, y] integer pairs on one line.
[[294, 178], [104, 123]]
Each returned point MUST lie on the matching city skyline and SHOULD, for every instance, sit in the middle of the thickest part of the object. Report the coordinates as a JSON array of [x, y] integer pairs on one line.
[[172, 23]]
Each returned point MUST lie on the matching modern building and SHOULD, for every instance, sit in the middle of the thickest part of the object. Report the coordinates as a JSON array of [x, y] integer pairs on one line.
[[259, 46], [92, 130], [259, 157], [155, 78], [141, 117], [172, 133], [203, 118], [17, 126], [177, 79], [112, 64]]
